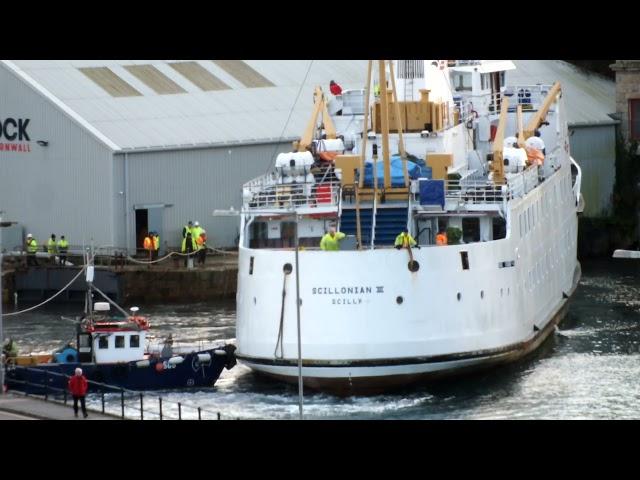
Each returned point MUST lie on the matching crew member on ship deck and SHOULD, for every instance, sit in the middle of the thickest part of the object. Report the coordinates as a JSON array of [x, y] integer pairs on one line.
[[441, 237], [405, 240], [331, 240]]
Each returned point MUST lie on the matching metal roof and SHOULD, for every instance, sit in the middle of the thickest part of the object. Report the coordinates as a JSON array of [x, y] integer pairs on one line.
[[241, 113], [589, 97]]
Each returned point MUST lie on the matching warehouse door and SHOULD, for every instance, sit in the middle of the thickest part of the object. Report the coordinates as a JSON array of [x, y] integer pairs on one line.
[[148, 219]]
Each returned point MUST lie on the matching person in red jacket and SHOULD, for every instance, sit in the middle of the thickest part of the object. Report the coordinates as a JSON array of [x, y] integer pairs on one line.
[[335, 88], [78, 387]]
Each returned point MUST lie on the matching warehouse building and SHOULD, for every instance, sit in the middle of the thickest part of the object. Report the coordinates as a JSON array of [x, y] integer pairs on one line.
[[102, 151]]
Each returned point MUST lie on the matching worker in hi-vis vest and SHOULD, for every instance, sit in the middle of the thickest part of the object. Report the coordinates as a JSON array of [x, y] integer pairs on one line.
[[63, 248], [148, 245], [405, 240], [441, 237], [330, 242], [32, 248], [156, 245]]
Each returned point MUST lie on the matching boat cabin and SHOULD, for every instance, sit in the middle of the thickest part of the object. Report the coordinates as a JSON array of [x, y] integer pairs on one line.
[[103, 339]]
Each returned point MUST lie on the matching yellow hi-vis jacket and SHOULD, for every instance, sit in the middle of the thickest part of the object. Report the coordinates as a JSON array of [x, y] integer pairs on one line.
[[51, 246], [156, 242], [405, 240], [331, 243], [195, 233], [32, 246], [184, 245], [63, 245]]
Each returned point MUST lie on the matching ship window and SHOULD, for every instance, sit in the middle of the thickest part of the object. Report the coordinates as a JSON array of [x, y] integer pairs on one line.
[[134, 341], [119, 341], [288, 234], [470, 230], [461, 82], [103, 342], [484, 80], [464, 258], [500, 228]]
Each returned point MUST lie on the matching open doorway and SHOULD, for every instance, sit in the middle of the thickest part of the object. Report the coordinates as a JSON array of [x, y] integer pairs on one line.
[[148, 219], [142, 228]]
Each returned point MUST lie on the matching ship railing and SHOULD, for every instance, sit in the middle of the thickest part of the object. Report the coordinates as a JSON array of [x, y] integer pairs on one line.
[[475, 191], [529, 96], [268, 193], [110, 400]]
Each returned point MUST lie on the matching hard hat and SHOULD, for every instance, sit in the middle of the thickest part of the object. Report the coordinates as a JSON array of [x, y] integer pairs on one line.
[[29, 236], [197, 224], [78, 371]]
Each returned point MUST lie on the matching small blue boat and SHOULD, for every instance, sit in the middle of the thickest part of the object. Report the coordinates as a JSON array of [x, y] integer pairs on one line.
[[111, 351]]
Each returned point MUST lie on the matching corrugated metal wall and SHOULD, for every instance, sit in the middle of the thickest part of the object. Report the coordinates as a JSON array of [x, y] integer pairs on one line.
[[195, 183], [63, 188], [594, 148]]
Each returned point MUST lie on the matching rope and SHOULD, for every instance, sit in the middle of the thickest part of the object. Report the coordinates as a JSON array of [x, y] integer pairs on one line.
[[49, 299], [275, 149], [142, 262]]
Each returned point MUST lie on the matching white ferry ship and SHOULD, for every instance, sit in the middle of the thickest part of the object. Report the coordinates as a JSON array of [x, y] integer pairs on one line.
[[451, 148]]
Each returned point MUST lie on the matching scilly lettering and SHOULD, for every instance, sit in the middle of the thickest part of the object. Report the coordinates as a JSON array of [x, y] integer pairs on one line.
[[340, 294]]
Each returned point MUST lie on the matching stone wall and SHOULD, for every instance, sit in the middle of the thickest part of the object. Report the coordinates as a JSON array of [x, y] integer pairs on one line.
[[627, 87], [176, 286]]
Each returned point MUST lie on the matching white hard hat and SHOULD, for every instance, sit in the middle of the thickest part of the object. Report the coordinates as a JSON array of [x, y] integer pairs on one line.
[[197, 224], [29, 236], [535, 142], [78, 371]]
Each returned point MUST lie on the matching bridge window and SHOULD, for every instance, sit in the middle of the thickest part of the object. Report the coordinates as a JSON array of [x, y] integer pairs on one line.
[[500, 228], [119, 341], [461, 82], [470, 230], [103, 342], [134, 341]]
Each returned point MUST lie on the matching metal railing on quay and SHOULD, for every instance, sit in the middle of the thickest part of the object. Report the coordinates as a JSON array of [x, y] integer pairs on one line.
[[103, 393]]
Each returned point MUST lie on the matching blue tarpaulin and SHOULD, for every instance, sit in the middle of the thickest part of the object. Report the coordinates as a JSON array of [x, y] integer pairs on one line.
[[397, 174], [432, 192]]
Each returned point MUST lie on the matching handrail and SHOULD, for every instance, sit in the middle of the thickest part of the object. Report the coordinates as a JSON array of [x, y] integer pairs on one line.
[[102, 386], [374, 215]]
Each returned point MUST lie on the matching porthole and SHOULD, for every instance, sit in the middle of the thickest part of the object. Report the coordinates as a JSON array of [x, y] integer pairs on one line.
[[413, 266], [287, 268], [399, 300]]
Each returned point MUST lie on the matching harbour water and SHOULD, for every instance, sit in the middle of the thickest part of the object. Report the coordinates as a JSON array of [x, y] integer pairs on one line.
[[589, 369]]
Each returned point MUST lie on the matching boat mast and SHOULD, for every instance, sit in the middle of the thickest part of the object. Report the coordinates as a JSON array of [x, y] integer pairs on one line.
[[384, 122], [497, 165], [403, 153], [540, 115], [320, 107]]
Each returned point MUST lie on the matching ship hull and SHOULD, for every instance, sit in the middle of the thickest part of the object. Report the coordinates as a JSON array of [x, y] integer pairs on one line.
[[370, 377]]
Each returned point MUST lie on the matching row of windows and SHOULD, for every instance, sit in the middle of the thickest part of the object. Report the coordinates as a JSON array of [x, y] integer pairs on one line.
[[543, 207], [134, 341]]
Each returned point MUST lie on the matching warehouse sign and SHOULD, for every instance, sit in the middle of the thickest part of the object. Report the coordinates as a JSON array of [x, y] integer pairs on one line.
[[13, 135]]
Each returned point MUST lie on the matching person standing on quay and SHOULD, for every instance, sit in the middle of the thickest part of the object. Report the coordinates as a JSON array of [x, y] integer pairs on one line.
[[78, 387]]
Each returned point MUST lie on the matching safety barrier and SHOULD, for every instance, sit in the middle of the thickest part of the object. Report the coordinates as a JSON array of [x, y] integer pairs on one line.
[[147, 406]]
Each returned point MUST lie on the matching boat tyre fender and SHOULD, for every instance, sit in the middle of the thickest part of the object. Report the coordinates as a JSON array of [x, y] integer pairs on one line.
[[231, 356]]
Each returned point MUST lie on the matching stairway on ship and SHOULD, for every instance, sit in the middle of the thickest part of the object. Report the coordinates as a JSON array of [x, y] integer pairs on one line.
[[389, 223]]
